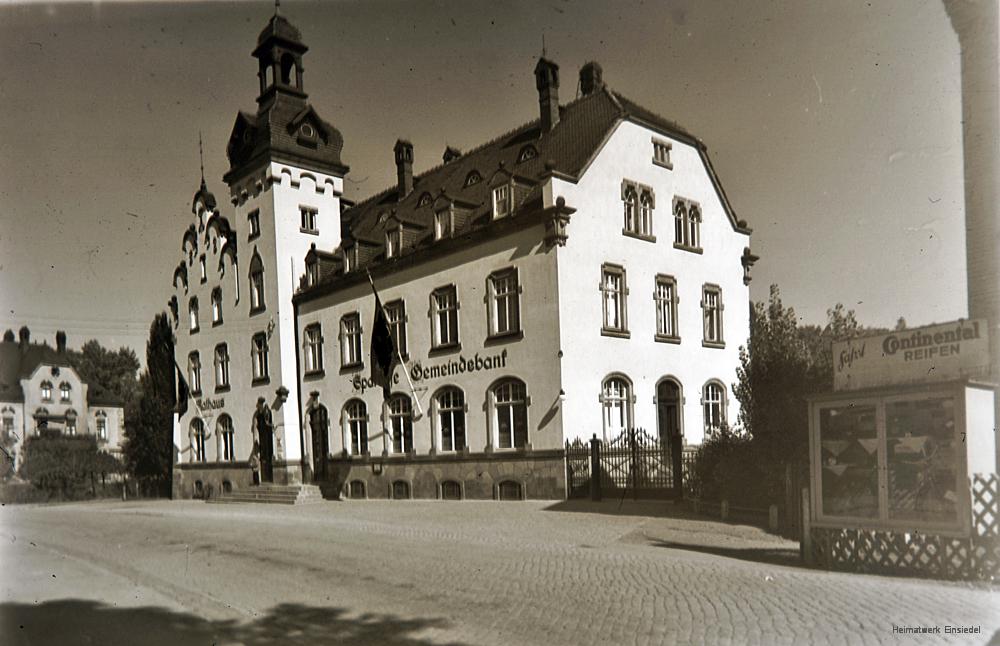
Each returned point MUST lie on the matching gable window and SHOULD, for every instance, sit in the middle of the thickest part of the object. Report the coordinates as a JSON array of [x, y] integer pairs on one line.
[[614, 293], [101, 424], [616, 401], [443, 225], [713, 398], [356, 422], [314, 348], [687, 225], [504, 306], [46, 391], [197, 440], [193, 313], [256, 284], [501, 201], [395, 312], [253, 218], [64, 392], [258, 356], [393, 242], [202, 268], [661, 153], [312, 273], [629, 199], [711, 305], [637, 204], [350, 340], [401, 423], [450, 405], [221, 366], [217, 306], [510, 414], [307, 219], [194, 373], [665, 300], [444, 314], [225, 431]]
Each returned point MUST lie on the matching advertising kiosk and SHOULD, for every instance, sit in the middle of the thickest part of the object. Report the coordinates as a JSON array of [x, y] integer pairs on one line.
[[903, 454]]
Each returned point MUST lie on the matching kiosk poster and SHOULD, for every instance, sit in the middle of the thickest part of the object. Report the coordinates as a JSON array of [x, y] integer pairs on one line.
[[927, 354]]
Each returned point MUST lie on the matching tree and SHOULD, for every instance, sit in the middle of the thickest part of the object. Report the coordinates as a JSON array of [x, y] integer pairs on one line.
[[106, 371], [62, 465], [149, 426]]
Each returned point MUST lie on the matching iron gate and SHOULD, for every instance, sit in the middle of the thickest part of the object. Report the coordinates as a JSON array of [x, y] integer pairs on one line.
[[633, 464]]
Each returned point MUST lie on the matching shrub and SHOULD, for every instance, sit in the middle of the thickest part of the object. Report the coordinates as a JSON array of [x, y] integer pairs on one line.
[[63, 466]]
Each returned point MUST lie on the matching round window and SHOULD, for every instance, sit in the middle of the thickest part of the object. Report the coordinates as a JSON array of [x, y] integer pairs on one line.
[[307, 130]]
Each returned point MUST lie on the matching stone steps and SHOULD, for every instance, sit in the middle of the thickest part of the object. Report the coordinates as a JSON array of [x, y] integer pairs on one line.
[[272, 494]]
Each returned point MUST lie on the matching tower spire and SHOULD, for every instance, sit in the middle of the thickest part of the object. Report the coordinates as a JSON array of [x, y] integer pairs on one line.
[[201, 159], [277, 7], [543, 44]]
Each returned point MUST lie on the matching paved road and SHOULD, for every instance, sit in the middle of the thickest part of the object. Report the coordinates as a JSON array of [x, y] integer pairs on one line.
[[412, 572]]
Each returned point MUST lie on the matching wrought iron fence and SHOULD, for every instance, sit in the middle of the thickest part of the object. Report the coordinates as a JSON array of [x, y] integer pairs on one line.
[[635, 463]]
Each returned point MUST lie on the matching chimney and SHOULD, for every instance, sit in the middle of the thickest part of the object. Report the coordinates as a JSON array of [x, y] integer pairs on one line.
[[451, 154], [24, 337], [61, 342], [591, 78], [8, 336], [404, 167], [547, 83]]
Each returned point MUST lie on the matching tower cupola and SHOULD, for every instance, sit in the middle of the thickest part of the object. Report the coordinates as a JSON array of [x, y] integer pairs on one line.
[[279, 57]]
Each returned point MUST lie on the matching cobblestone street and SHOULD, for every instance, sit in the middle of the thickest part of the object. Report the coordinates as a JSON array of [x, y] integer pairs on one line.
[[438, 572]]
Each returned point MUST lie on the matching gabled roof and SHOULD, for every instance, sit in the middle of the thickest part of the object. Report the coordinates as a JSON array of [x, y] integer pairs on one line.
[[17, 364]]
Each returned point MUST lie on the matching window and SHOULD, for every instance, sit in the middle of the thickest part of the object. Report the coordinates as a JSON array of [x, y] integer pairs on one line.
[[350, 340], [254, 219], [101, 422], [501, 201], [713, 399], [687, 225], [401, 424], [450, 405], [258, 355], [197, 440], [638, 203], [665, 299], [645, 221], [395, 312], [473, 178], [71, 422], [203, 270], [425, 199], [504, 306], [444, 311], [46, 391], [256, 283], [194, 373], [217, 306], [510, 414], [629, 199], [614, 292], [225, 432], [314, 348], [193, 313], [356, 421], [307, 218], [711, 305], [221, 366], [443, 225], [528, 152], [661, 153], [312, 273], [64, 392], [393, 242], [616, 399]]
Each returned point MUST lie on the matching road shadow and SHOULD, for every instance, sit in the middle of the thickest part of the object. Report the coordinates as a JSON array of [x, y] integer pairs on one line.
[[769, 555], [628, 507], [77, 621]]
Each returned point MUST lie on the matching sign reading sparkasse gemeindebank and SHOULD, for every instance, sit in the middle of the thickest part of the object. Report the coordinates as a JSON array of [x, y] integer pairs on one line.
[[925, 354]]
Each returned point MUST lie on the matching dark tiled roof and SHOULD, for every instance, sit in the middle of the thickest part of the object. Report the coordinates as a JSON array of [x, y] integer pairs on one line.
[[16, 365], [279, 27]]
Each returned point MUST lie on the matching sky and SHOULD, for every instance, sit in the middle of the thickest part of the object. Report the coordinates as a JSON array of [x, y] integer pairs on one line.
[[835, 127]]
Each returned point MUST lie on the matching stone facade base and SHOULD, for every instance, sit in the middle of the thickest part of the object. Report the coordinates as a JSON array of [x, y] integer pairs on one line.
[[206, 480], [523, 475]]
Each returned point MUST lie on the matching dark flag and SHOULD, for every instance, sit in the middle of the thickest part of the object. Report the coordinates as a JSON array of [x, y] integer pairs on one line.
[[183, 391], [383, 350]]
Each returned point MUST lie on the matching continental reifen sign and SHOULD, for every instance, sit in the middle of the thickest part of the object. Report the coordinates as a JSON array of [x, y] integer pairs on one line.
[[926, 354]]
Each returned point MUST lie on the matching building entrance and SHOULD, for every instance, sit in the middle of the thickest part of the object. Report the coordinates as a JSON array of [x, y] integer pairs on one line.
[[265, 439], [319, 423], [668, 415]]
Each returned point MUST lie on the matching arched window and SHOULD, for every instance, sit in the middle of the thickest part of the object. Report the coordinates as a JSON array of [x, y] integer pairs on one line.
[[616, 400], [46, 391], [509, 401], [694, 226], [224, 429], [400, 490], [197, 440], [473, 178], [713, 400], [217, 306], [449, 406], [222, 366], [401, 423], [256, 283], [646, 214], [356, 426], [193, 313], [71, 422], [527, 152], [356, 490], [64, 392], [101, 424], [287, 67], [629, 200], [451, 490], [680, 226], [194, 373]]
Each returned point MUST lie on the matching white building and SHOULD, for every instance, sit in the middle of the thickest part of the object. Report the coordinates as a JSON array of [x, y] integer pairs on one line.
[[578, 275]]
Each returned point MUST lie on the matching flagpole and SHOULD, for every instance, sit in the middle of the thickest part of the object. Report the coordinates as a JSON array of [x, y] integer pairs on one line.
[[406, 373]]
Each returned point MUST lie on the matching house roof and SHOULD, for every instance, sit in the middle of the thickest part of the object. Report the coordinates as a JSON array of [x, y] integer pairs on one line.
[[17, 364], [526, 153]]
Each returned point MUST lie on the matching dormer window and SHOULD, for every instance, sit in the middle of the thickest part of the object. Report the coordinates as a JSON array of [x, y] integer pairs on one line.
[[393, 242], [312, 273], [308, 219], [425, 199], [307, 130], [473, 178], [501, 201], [443, 225], [528, 152]]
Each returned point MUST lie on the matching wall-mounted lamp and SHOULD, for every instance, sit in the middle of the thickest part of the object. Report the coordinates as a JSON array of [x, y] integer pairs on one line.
[[562, 395]]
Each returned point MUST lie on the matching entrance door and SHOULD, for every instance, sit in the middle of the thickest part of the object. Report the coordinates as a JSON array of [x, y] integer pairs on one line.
[[318, 424], [266, 435], [668, 408]]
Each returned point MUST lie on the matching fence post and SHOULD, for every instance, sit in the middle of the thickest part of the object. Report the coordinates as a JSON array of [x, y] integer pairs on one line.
[[724, 509], [805, 540], [772, 519], [595, 468]]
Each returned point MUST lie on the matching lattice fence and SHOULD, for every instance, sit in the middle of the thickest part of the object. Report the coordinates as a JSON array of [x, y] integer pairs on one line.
[[917, 553]]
